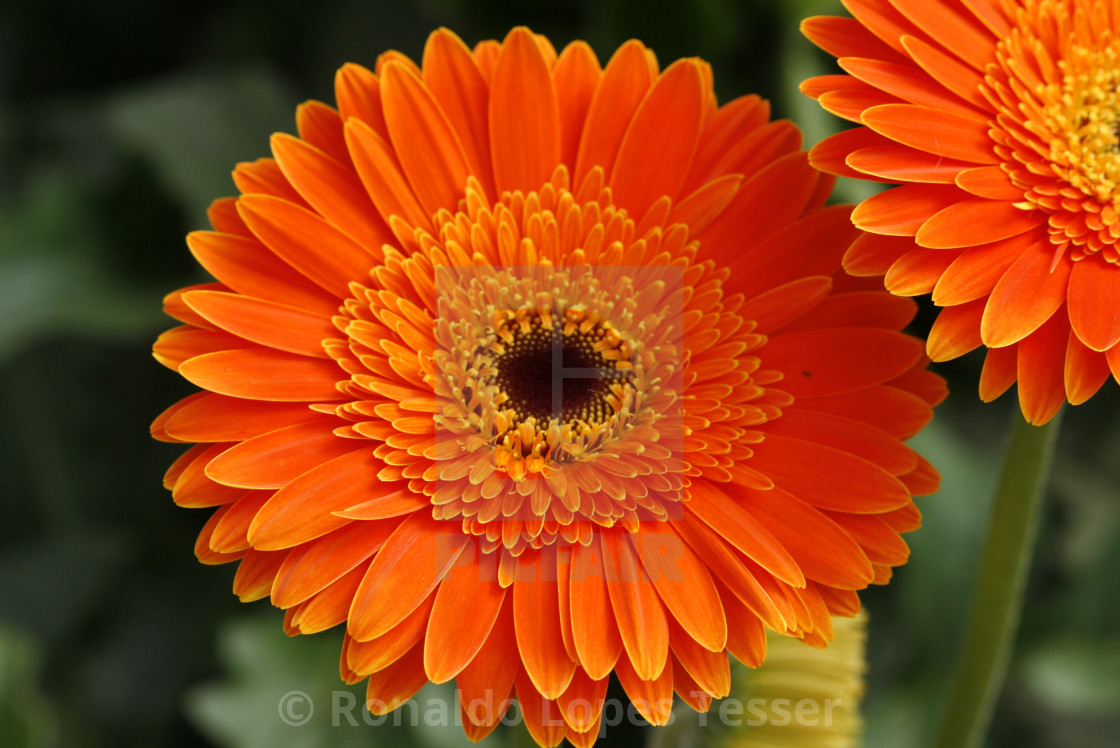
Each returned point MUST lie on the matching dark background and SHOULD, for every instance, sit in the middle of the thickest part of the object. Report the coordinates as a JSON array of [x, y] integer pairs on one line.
[[119, 123]]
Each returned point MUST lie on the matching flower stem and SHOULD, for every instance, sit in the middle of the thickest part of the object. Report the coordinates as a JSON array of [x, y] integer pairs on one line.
[[998, 599]]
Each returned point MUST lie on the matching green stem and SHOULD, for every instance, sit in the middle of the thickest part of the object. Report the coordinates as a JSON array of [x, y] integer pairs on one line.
[[998, 598]]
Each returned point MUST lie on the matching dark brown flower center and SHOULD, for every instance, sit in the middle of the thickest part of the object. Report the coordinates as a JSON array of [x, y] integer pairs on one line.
[[571, 368]]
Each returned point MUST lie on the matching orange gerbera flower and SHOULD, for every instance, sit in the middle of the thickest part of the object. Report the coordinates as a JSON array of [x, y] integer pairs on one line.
[[1002, 119], [530, 371]]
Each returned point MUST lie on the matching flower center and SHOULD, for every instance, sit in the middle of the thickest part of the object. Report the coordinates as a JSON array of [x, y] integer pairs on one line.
[[1056, 89], [572, 368]]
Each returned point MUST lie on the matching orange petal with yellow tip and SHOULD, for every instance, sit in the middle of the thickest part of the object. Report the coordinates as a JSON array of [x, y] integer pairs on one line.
[[307, 242], [253, 580], [582, 701], [329, 607], [1042, 370], [652, 698], [466, 607], [485, 684], [594, 630], [407, 568], [626, 79], [389, 688], [919, 271], [683, 583], [265, 374], [524, 116], [332, 189], [999, 372], [975, 221], [202, 549], [1094, 302], [364, 657], [710, 669], [250, 268], [636, 605], [576, 76], [542, 715], [935, 131], [956, 331], [210, 417], [656, 151], [977, 270], [1086, 370], [902, 210], [314, 565], [358, 92], [1027, 295], [278, 326], [301, 510], [457, 84], [839, 480], [274, 459]]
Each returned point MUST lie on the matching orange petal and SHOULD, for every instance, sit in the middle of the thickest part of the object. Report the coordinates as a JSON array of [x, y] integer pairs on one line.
[[429, 151], [218, 418], [831, 154], [976, 271], [265, 374], [542, 715], [960, 79], [711, 670], [899, 163], [858, 309], [524, 116], [332, 189], [466, 607], [231, 534], [329, 607], [202, 549], [625, 81], [594, 630], [255, 573], [838, 480], [899, 413], [873, 254], [846, 37], [817, 363], [684, 584], [308, 243], [223, 216], [485, 684], [746, 636], [192, 488], [778, 307], [999, 372], [180, 344], [991, 182], [278, 326], [301, 510], [1086, 370], [637, 607], [321, 126], [956, 331], [379, 653], [960, 33], [706, 204], [358, 92], [389, 688], [1027, 295], [274, 459], [907, 82], [456, 83], [656, 151], [576, 77], [381, 174], [976, 221], [264, 178], [879, 541], [1094, 303], [845, 434], [653, 697], [902, 211], [582, 702], [313, 566], [918, 272], [405, 571], [1042, 370], [729, 517], [939, 132], [250, 268], [536, 619]]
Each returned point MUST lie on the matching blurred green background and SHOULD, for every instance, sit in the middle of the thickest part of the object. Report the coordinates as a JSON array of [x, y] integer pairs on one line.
[[119, 123]]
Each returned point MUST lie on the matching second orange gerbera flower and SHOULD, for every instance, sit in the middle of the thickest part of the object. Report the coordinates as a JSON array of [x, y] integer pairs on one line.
[[531, 371], [1001, 119]]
